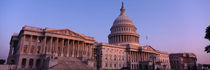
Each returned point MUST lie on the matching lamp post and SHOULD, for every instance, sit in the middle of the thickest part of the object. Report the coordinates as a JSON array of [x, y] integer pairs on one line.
[[153, 58], [98, 54], [194, 60]]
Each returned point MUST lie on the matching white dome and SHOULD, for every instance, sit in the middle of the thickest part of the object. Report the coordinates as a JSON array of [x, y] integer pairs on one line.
[[123, 19], [123, 30]]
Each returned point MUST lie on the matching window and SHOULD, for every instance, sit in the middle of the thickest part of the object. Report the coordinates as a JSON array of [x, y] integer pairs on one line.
[[38, 49], [106, 57], [12, 62], [115, 57], [27, 38], [32, 49], [106, 65], [33, 39], [119, 57], [38, 61], [110, 57], [39, 40], [25, 49], [23, 64], [31, 61], [122, 57]]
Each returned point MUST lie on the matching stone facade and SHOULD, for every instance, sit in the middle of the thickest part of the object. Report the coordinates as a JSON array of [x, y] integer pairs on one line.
[[183, 61], [163, 61], [32, 47], [113, 56]]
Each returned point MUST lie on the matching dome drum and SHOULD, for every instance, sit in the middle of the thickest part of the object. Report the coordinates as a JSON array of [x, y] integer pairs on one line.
[[119, 39]]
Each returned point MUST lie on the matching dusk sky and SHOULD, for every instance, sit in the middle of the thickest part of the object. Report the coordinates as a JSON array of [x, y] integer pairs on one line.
[[174, 26]]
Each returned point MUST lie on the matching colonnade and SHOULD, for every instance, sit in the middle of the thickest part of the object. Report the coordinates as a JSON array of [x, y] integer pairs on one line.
[[139, 56], [59, 46], [67, 47], [123, 38], [134, 58]]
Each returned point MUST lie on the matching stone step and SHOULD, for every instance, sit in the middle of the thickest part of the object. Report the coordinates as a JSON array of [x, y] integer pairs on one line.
[[70, 63]]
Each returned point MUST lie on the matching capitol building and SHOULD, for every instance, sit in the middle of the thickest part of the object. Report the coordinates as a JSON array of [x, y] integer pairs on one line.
[[35, 48]]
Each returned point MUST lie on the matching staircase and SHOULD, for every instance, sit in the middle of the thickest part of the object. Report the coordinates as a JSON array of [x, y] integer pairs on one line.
[[70, 63]]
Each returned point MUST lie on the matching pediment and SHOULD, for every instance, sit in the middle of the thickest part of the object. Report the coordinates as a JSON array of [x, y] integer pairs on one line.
[[67, 32], [148, 49]]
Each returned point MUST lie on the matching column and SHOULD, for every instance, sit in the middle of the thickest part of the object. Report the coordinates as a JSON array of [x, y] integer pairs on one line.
[[56, 47], [34, 63], [146, 56], [83, 48], [132, 40], [79, 49], [62, 45], [27, 63], [90, 52], [76, 47], [88, 49], [50, 47], [44, 45], [125, 38], [73, 48], [84, 51], [37, 44], [135, 56], [67, 54], [143, 56], [70, 48]]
